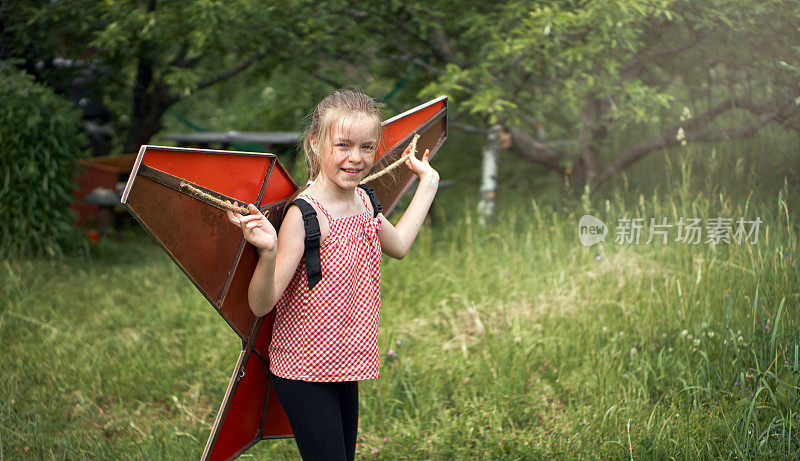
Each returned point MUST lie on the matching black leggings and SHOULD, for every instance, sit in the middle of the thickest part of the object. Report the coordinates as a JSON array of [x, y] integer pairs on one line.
[[323, 416]]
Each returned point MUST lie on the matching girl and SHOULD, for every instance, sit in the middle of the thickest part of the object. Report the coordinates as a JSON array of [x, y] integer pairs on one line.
[[325, 339]]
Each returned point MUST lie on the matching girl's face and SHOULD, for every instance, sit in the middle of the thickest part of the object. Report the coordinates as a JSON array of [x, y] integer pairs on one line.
[[350, 152]]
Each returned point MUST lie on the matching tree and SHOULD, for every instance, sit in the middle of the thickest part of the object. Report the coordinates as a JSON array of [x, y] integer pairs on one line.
[[584, 88], [588, 88], [148, 55]]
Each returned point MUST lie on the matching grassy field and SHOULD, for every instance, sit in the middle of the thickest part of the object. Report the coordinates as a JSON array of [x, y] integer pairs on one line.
[[508, 341]]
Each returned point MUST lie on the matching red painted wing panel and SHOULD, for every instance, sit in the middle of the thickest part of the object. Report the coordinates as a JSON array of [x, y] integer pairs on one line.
[[233, 430], [280, 185], [236, 307], [235, 174], [397, 128], [276, 422], [195, 234], [264, 337], [240, 426]]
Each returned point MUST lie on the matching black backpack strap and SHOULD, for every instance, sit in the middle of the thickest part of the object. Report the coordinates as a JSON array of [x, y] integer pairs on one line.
[[373, 198], [311, 224]]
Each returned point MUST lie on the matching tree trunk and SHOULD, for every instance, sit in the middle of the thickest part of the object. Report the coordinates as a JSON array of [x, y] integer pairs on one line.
[[150, 100], [491, 151], [591, 136]]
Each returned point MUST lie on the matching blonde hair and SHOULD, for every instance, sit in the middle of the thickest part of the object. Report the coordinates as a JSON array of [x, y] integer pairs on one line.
[[341, 105]]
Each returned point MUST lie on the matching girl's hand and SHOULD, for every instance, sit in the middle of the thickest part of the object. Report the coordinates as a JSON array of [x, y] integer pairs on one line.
[[256, 229], [422, 168]]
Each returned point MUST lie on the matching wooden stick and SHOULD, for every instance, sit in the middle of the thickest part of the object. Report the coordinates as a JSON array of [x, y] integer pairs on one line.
[[220, 203]]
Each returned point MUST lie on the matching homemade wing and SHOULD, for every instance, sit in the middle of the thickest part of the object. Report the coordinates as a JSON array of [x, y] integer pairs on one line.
[[174, 194]]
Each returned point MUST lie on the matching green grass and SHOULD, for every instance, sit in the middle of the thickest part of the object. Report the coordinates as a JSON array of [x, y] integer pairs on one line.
[[511, 341]]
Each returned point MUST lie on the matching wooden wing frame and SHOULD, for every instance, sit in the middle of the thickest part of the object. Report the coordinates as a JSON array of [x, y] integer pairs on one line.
[[195, 232]]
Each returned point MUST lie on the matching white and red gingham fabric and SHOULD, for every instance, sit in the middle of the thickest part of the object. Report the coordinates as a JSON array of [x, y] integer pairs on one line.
[[331, 332]]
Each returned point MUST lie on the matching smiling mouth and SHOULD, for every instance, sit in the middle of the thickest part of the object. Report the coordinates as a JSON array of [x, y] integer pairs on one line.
[[352, 170]]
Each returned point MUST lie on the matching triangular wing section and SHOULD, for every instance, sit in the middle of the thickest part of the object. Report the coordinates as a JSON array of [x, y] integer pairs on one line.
[[250, 411], [429, 120], [194, 230]]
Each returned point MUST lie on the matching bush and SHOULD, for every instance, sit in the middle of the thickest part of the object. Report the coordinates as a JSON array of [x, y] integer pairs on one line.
[[40, 143]]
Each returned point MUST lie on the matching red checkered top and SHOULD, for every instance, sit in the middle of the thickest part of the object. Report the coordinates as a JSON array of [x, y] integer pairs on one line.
[[331, 332]]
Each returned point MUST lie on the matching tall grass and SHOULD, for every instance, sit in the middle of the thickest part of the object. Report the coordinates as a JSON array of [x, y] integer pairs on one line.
[[512, 341]]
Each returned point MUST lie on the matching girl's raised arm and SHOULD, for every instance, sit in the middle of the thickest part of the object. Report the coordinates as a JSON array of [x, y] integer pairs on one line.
[[278, 255], [397, 240]]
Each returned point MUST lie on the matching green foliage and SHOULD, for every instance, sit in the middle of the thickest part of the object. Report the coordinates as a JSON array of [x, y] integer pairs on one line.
[[593, 80], [147, 56], [543, 58], [262, 104], [40, 144], [594, 77]]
